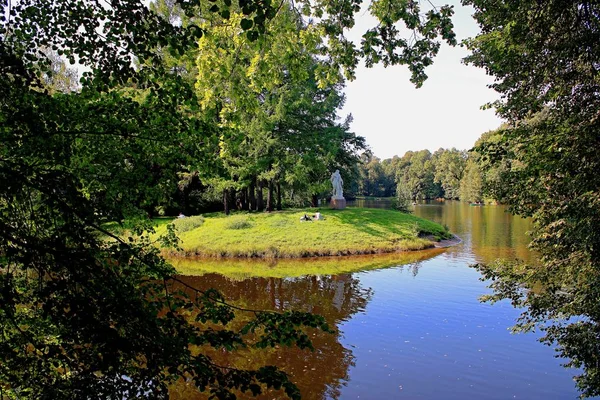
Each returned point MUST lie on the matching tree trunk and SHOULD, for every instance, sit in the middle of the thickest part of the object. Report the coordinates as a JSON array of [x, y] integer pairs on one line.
[[278, 196], [232, 199], [242, 200], [260, 205], [251, 195], [270, 197], [226, 201], [314, 201]]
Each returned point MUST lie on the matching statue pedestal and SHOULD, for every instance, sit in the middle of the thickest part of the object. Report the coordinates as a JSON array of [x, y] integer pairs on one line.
[[337, 204]]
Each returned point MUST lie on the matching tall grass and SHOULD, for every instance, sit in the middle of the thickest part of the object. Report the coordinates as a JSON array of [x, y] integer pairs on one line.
[[188, 223]]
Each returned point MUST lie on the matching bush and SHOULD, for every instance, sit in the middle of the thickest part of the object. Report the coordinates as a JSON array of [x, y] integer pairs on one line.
[[188, 223], [238, 223], [403, 200]]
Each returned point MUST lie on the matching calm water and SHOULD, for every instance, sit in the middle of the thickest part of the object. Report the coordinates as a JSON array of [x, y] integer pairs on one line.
[[414, 331]]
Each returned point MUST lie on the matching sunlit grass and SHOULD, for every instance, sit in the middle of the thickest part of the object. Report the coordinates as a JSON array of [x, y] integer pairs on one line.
[[282, 235]]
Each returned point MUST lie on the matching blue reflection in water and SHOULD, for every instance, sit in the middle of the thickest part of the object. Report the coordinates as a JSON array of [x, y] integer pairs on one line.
[[425, 335]]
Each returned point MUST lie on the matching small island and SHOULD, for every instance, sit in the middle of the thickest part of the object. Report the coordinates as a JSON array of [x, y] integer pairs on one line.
[[287, 234]]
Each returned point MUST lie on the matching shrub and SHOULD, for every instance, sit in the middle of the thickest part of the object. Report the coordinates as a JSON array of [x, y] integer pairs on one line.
[[188, 223], [402, 201], [238, 223]]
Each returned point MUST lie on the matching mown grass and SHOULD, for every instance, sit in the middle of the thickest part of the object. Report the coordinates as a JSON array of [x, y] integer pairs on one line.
[[244, 268], [282, 235]]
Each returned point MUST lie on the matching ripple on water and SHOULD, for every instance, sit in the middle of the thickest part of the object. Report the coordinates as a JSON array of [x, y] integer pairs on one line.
[[427, 336]]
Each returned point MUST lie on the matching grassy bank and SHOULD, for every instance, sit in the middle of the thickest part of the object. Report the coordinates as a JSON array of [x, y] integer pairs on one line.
[[282, 235]]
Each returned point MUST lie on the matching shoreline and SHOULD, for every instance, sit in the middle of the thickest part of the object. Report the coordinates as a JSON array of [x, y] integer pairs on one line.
[[445, 243], [257, 256], [244, 268]]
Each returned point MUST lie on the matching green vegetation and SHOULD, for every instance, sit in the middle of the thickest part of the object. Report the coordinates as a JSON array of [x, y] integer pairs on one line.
[[243, 268], [85, 317], [418, 175], [188, 223], [449, 174], [545, 58], [283, 235]]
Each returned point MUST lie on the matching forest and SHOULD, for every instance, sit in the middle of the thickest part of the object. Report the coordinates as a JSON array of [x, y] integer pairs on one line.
[[418, 175]]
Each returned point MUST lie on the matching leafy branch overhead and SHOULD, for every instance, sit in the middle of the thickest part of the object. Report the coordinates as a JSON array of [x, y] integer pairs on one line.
[[109, 37]]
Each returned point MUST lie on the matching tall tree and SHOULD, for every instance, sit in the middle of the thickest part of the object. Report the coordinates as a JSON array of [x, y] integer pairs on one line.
[[545, 57], [449, 168], [280, 119], [418, 176], [471, 184]]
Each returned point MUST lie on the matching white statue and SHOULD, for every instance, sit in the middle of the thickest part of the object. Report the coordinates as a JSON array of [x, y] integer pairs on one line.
[[337, 182]]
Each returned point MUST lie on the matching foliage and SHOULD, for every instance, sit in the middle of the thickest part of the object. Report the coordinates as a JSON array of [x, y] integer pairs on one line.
[[280, 120], [545, 58], [422, 174], [449, 170], [283, 234], [471, 185], [82, 316], [188, 223], [403, 200]]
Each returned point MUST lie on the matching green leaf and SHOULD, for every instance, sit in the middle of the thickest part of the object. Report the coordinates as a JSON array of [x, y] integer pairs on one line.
[[246, 24], [252, 35]]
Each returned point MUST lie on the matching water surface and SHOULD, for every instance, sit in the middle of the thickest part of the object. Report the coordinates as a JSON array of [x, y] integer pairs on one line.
[[414, 331]]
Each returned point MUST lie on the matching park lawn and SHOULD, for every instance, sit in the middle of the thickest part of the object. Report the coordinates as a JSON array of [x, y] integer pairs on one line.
[[282, 235]]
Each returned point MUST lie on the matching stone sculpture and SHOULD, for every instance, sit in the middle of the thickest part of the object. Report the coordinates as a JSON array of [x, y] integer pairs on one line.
[[337, 182], [337, 198]]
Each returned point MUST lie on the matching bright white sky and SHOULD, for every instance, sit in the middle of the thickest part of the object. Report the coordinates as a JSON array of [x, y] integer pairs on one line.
[[395, 117]]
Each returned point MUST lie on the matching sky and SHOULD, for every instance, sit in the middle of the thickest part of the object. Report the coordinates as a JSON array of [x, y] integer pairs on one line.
[[395, 117]]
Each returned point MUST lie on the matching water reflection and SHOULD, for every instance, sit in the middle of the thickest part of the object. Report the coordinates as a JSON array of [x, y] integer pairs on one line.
[[414, 329], [488, 232], [245, 268], [320, 373]]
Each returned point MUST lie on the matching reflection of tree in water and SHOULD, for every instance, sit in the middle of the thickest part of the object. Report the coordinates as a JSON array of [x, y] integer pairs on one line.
[[562, 303], [490, 232], [319, 373]]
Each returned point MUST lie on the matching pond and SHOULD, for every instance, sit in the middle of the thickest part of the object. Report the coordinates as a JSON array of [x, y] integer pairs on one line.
[[414, 330]]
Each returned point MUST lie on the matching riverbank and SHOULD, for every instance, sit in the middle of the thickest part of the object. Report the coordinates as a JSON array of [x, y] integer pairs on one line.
[[282, 234]]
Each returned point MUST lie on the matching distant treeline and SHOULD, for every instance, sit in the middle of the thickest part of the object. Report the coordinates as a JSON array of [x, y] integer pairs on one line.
[[419, 175]]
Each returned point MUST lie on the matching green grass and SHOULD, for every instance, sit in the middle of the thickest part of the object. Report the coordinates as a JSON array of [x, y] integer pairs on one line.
[[282, 235]]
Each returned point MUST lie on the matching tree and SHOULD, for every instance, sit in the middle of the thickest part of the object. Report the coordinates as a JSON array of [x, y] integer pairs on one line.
[[372, 177], [545, 58], [280, 120], [449, 169], [418, 175], [87, 313], [471, 185]]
